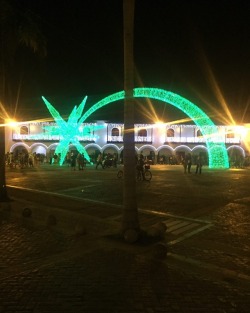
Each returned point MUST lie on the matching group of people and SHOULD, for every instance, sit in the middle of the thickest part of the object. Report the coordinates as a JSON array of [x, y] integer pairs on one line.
[[109, 160], [106, 161], [74, 159], [23, 159], [187, 164]]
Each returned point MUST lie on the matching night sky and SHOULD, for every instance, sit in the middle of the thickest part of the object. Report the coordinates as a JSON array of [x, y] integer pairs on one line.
[[197, 49]]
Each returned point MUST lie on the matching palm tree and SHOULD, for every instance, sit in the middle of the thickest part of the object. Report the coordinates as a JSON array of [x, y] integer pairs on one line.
[[130, 221], [17, 28]]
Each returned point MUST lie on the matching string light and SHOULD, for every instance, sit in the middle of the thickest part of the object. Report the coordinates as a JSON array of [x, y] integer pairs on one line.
[[69, 132], [217, 152]]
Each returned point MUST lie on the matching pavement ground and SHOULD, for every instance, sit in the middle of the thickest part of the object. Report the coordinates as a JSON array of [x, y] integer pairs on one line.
[[61, 250]]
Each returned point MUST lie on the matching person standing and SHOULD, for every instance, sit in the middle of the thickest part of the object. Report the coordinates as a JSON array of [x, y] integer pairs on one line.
[[99, 161], [140, 167], [80, 161], [184, 163], [73, 161], [189, 163], [114, 160], [198, 165]]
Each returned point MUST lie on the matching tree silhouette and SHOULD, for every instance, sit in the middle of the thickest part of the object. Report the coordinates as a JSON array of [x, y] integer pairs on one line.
[[18, 27]]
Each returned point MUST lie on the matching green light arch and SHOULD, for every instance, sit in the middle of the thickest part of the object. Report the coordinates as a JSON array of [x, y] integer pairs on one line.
[[217, 152]]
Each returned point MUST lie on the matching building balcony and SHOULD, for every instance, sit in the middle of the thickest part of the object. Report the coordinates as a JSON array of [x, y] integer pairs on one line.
[[41, 137], [119, 139], [138, 139], [201, 140]]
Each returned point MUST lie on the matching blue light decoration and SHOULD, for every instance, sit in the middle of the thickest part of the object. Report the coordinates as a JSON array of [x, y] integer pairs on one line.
[[69, 132]]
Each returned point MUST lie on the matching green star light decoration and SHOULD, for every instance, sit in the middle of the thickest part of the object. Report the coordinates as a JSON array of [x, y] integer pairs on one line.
[[69, 132]]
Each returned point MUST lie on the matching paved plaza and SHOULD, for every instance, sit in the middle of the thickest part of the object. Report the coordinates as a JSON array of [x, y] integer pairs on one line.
[[65, 254]]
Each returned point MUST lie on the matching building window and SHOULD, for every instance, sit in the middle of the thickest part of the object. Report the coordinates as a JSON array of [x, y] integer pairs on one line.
[[142, 132], [230, 135], [24, 130], [115, 132], [170, 132], [199, 133]]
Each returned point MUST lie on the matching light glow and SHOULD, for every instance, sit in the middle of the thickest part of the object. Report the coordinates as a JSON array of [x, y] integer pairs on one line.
[[11, 123], [69, 131], [217, 152]]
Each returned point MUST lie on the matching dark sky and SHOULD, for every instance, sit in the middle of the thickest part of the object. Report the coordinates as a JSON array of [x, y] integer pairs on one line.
[[199, 49]]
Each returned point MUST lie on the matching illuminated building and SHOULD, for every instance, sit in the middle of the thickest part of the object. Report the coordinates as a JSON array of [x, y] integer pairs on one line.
[[153, 140], [217, 144]]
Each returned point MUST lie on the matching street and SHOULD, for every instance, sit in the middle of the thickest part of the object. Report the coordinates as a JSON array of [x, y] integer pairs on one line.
[[169, 191], [206, 269]]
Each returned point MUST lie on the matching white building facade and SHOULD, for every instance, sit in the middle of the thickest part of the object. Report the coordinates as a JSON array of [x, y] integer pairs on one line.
[[160, 143]]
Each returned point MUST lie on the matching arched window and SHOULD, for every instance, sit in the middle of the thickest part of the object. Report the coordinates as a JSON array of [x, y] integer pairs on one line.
[[230, 135], [170, 132], [115, 132], [199, 133], [142, 132], [24, 130]]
